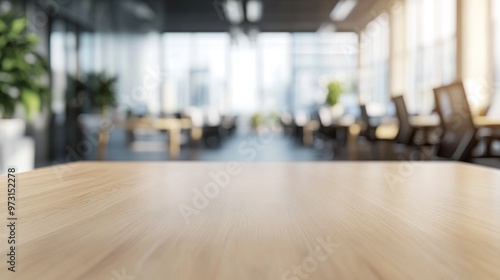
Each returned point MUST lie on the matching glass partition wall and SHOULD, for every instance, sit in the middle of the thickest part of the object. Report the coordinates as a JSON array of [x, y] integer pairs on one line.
[[495, 10]]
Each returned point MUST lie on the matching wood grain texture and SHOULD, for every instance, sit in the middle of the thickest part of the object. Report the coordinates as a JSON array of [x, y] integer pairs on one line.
[[387, 220]]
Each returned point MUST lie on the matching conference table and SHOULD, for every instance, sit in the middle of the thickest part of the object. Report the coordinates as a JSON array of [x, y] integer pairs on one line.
[[190, 221]]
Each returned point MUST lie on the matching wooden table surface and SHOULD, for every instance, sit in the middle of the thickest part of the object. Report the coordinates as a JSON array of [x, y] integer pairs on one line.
[[326, 221]]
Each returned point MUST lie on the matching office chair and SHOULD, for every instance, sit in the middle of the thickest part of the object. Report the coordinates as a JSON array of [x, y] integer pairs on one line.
[[406, 132], [459, 132]]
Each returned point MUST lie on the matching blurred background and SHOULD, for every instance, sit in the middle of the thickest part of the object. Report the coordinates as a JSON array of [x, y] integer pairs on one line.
[[248, 80]]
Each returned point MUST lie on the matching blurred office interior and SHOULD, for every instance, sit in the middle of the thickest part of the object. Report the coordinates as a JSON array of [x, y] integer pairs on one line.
[[249, 80]]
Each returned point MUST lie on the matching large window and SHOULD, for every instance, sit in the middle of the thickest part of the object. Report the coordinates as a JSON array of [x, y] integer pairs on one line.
[[195, 70], [496, 43], [431, 35], [318, 59], [276, 71], [374, 80]]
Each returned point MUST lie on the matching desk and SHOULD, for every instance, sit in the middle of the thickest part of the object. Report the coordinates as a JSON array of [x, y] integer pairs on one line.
[[356, 220], [172, 125], [432, 121], [425, 121], [342, 124], [485, 121]]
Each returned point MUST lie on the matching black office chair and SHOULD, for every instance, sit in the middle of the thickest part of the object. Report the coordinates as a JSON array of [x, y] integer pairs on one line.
[[494, 133], [326, 128], [459, 133], [369, 126], [406, 132]]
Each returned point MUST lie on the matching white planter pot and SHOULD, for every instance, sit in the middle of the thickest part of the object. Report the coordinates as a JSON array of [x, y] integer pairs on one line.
[[16, 150], [12, 129]]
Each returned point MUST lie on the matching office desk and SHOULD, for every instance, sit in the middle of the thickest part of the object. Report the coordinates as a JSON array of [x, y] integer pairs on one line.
[[433, 121], [425, 121], [485, 121], [343, 124], [172, 125], [264, 221]]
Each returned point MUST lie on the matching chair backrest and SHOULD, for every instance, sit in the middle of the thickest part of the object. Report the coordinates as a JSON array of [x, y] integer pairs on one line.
[[364, 114], [459, 132], [406, 131], [365, 121]]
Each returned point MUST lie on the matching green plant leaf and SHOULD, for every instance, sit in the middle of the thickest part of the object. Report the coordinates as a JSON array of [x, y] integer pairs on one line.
[[3, 26], [32, 39], [335, 89], [8, 64], [18, 26], [18, 68], [31, 102], [7, 105]]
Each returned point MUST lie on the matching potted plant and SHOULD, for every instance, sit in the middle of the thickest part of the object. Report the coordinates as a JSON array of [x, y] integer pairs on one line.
[[257, 120], [102, 92], [22, 89], [335, 90], [100, 95], [21, 68]]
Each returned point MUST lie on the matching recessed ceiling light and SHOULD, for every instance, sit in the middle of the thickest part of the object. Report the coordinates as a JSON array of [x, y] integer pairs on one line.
[[343, 9], [254, 10], [233, 9]]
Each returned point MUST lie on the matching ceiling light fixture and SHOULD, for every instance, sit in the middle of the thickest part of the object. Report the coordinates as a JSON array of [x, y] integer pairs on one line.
[[343, 9], [233, 9], [254, 10], [327, 28], [139, 9]]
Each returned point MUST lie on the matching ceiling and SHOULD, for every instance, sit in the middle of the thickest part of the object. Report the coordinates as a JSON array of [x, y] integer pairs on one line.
[[278, 15], [208, 16]]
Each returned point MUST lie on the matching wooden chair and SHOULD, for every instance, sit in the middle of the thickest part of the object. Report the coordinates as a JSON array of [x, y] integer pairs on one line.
[[459, 132]]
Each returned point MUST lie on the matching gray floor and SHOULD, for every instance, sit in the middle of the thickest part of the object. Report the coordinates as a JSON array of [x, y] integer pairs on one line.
[[237, 147], [259, 148]]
